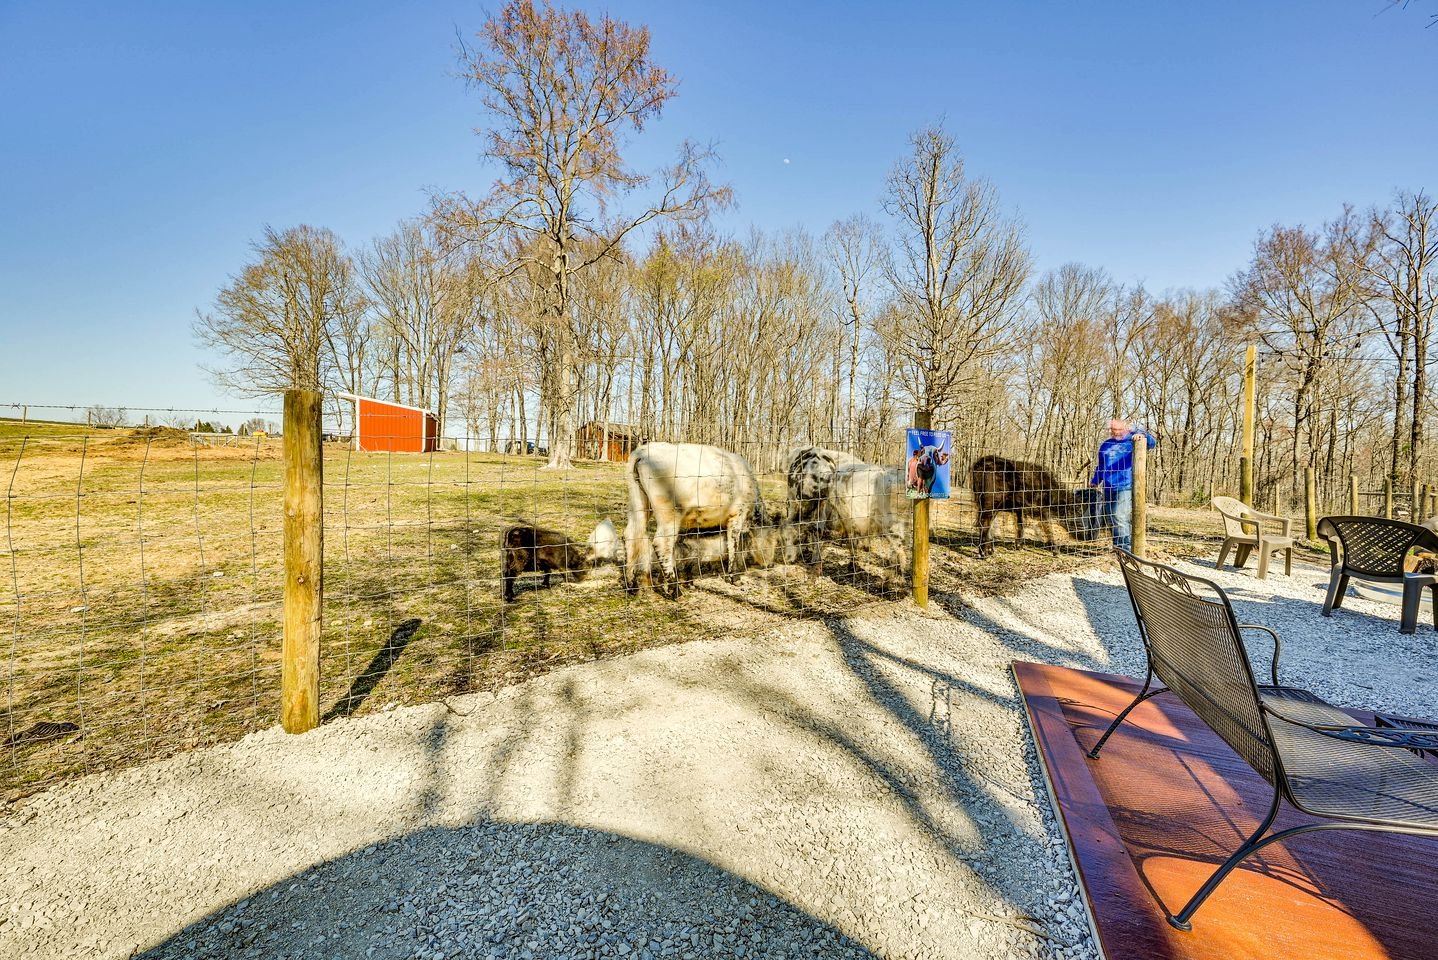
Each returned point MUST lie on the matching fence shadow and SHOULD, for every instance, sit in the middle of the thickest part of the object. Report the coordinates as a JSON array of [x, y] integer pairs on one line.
[[379, 666]]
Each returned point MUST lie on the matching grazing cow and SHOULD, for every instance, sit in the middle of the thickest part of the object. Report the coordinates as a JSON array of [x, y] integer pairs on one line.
[[811, 473], [705, 551], [524, 548], [686, 486], [867, 503], [1002, 485]]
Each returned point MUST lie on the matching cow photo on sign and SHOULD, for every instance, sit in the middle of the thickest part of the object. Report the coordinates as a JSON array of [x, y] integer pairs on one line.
[[926, 472]]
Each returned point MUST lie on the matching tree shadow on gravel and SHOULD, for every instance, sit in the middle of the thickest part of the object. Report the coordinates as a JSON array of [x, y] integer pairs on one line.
[[509, 890]]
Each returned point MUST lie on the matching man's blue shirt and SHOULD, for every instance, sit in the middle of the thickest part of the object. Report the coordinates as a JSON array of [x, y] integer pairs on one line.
[[1115, 462]]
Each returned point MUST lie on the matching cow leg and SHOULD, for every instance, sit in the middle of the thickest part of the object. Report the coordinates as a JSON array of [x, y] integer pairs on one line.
[[637, 554], [986, 521], [1018, 529], [666, 535], [508, 591]]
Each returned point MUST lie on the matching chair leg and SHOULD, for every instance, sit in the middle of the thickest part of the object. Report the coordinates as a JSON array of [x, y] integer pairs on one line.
[[1143, 695], [1433, 602], [1263, 561], [1288, 561], [1412, 599], [1222, 553], [1337, 585], [1245, 850], [1244, 549]]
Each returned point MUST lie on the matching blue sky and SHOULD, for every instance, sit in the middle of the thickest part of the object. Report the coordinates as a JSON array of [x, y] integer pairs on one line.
[[144, 145]]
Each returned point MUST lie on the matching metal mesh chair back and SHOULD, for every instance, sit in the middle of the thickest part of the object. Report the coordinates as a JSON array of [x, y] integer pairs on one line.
[[1193, 646], [1373, 546]]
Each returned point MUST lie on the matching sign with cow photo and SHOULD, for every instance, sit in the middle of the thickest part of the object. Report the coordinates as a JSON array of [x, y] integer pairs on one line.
[[926, 464]]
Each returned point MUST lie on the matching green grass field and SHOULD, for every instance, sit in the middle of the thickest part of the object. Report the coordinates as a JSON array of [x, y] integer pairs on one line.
[[141, 582]]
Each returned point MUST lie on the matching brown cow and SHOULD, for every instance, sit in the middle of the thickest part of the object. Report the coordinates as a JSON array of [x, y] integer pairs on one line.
[[1002, 485]]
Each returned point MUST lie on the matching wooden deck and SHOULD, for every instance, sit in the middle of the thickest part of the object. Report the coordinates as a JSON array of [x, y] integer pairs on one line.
[[1169, 801]]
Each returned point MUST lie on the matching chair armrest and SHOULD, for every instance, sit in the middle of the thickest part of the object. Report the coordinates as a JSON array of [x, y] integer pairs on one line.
[[1277, 644], [1406, 739], [1285, 522]]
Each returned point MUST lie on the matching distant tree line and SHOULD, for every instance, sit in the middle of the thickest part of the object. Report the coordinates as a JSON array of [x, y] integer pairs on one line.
[[578, 290]]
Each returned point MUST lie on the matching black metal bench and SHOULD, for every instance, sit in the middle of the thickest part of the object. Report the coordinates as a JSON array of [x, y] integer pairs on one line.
[[1374, 549], [1314, 755]]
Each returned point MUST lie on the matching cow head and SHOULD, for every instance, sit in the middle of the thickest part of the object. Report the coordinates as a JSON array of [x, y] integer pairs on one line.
[[810, 475]]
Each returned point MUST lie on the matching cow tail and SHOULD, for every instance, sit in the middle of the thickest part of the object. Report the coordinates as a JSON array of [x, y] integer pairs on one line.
[[636, 529]]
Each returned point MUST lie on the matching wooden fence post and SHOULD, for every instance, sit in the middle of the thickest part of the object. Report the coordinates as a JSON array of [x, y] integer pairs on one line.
[[1140, 497], [1353, 495], [304, 562], [1388, 498], [919, 571], [1310, 504]]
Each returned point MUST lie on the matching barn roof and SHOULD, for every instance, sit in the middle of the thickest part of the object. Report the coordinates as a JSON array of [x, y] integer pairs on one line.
[[389, 403]]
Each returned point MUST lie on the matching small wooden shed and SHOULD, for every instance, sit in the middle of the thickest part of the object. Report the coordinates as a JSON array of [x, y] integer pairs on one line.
[[617, 443], [383, 426]]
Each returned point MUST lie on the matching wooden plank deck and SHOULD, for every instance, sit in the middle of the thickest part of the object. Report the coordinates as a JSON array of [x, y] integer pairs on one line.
[[1168, 801]]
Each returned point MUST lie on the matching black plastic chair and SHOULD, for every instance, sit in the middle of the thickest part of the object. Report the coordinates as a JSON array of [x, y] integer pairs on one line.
[[1314, 755], [1373, 549]]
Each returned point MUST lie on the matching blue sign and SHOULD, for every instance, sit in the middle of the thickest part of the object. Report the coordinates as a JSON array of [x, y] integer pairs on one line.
[[926, 464]]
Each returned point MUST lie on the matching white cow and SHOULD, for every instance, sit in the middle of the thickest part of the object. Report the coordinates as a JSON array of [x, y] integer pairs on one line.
[[867, 503], [686, 486]]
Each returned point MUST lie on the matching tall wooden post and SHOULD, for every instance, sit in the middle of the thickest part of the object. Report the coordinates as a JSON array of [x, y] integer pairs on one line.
[[1140, 496], [1310, 504], [1353, 510], [919, 570], [1245, 462], [1415, 505], [304, 565], [1388, 498]]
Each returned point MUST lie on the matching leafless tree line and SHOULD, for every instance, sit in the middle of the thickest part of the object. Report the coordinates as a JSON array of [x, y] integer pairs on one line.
[[544, 304]]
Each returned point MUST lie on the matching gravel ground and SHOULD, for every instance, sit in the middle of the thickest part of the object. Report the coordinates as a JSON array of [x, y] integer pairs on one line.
[[863, 786]]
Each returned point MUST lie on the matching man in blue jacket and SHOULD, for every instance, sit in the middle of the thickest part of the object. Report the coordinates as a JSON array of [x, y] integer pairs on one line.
[[1114, 475]]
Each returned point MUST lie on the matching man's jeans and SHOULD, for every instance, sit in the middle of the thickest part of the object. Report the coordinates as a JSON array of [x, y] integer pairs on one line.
[[1118, 516]]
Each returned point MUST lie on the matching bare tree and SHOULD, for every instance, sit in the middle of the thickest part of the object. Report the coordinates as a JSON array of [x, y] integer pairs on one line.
[[1301, 296], [426, 304], [564, 91], [1403, 271], [958, 268], [276, 318], [853, 247]]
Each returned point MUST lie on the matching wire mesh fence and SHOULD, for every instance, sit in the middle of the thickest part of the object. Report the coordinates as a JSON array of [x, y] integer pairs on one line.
[[145, 569]]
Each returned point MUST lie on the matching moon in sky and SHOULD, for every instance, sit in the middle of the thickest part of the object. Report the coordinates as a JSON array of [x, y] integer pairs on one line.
[[786, 161]]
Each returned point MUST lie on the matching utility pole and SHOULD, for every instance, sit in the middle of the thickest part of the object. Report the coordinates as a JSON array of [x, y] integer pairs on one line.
[[1245, 462]]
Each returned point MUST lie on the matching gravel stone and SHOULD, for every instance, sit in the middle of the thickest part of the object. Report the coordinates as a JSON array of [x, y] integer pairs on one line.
[[863, 786]]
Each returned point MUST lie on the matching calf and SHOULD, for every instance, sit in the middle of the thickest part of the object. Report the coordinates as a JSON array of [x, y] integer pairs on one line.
[[705, 551], [1001, 485], [524, 548]]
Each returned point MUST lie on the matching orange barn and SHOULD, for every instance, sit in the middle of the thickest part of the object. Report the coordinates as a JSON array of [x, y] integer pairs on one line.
[[382, 426]]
